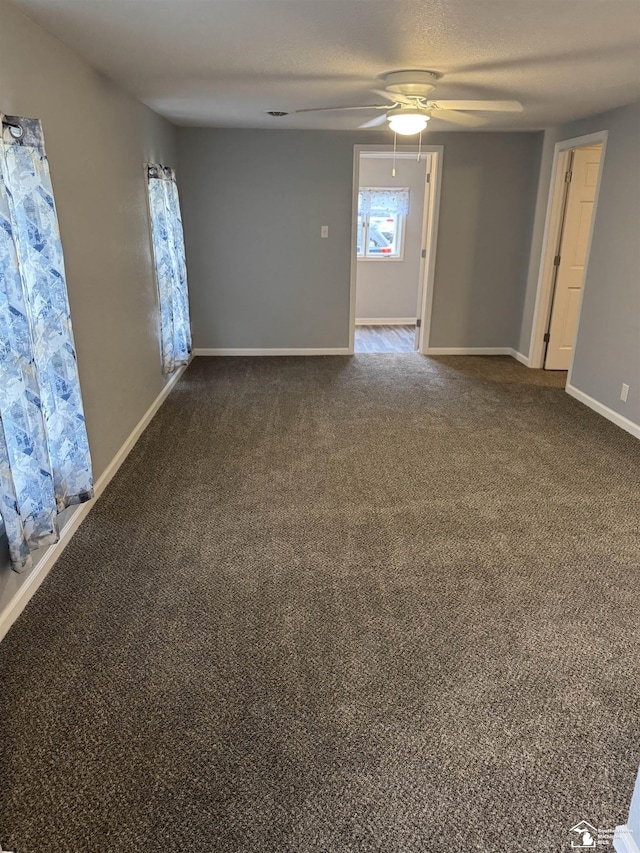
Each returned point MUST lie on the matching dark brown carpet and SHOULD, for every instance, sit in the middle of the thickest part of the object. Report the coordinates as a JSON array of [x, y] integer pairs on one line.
[[381, 603]]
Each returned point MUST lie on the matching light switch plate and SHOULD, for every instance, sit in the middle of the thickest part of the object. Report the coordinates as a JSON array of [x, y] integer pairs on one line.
[[324, 231]]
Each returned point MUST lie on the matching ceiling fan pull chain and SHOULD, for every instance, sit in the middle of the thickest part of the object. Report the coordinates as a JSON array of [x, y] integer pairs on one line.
[[393, 171]]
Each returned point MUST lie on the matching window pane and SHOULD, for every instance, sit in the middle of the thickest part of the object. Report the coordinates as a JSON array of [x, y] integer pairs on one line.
[[359, 236], [383, 234]]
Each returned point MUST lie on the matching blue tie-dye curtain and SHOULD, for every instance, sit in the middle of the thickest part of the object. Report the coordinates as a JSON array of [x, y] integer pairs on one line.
[[171, 270], [45, 464]]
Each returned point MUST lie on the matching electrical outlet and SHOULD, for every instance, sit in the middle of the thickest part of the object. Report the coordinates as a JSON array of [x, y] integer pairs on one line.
[[624, 392], [324, 231]]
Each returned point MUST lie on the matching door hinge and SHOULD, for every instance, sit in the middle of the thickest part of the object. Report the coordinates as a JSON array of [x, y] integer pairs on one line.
[[556, 261], [423, 253], [418, 323], [547, 337], [429, 177], [568, 176]]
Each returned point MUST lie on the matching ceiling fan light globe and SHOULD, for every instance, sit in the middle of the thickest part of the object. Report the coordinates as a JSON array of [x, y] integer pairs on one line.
[[407, 122]]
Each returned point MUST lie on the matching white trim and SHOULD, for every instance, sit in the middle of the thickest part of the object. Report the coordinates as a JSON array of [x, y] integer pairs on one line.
[[388, 259], [275, 351], [33, 580], [430, 243], [551, 238], [479, 351], [353, 274], [623, 840], [469, 351], [605, 411], [550, 242], [385, 321], [430, 230], [387, 155], [375, 321], [523, 359]]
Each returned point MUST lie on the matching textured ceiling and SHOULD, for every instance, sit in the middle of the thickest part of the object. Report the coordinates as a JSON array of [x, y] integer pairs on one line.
[[225, 62]]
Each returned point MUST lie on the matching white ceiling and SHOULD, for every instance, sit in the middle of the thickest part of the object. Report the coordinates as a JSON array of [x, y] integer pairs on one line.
[[226, 62]]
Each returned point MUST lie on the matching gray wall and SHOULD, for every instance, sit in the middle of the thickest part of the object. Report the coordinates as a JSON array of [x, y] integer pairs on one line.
[[387, 288], [260, 276], [97, 140], [608, 343]]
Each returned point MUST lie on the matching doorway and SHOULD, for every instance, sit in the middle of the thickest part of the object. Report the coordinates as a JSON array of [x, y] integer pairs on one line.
[[393, 247], [569, 226]]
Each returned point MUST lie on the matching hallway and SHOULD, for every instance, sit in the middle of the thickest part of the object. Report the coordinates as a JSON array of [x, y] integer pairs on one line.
[[385, 339]]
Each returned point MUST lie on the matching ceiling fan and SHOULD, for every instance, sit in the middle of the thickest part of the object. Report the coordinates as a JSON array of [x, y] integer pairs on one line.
[[410, 108]]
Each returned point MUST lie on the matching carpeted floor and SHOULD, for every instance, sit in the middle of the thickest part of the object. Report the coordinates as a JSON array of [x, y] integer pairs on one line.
[[381, 603]]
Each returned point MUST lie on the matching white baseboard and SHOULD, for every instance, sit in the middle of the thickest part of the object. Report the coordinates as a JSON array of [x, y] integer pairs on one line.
[[268, 351], [51, 554], [385, 321], [605, 411], [479, 351], [627, 836], [523, 359], [469, 351], [623, 840]]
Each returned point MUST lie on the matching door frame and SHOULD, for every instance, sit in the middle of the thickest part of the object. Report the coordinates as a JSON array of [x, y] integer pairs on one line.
[[430, 217], [551, 241]]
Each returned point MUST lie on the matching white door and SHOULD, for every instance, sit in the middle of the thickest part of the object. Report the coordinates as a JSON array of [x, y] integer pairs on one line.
[[576, 229]]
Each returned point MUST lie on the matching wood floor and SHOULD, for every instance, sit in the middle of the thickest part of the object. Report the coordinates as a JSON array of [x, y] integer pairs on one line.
[[385, 339]]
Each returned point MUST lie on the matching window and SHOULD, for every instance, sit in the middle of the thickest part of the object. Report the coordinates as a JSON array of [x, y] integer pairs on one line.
[[380, 235], [381, 219]]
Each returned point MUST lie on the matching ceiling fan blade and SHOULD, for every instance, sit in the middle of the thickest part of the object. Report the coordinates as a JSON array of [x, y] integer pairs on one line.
[[375, 122], [458, 118], [394, 97], [334, 109], [483, 106]]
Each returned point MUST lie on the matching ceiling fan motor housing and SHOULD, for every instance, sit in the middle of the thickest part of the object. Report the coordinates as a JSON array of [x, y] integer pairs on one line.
[[416, 84]]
